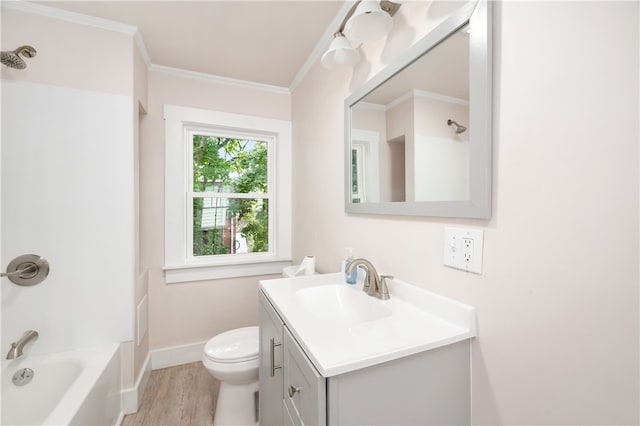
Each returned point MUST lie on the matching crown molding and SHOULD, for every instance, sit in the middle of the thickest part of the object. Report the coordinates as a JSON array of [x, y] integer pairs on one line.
[[424, 94], [440, 97], [194, 75], [413, 94], [68, 16], [371, 106], [139, 42]]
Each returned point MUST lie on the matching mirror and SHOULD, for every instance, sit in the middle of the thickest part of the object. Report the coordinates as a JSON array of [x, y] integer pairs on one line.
[[418, 134]]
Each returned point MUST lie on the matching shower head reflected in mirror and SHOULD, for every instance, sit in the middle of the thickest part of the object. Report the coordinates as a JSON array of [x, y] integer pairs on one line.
[[12, 59], [459, 128]]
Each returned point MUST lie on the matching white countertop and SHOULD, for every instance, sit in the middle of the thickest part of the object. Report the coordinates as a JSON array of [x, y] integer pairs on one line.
[[412, 321]]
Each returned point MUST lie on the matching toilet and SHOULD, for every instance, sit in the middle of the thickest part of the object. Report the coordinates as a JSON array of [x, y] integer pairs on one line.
[[232, 357]]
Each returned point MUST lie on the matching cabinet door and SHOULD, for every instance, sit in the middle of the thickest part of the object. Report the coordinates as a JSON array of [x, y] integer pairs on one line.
[[271, 381], [304, 388]]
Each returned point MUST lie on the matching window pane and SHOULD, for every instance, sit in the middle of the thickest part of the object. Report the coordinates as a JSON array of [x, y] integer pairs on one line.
[[356, 175], [354, 171], [223, 164], [230, 225]]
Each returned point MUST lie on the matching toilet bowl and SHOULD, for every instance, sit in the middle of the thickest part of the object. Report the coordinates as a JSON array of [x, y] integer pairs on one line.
[[232, 357]]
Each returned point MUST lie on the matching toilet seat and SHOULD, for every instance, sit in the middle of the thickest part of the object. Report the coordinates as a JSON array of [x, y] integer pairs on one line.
[[234, 346]]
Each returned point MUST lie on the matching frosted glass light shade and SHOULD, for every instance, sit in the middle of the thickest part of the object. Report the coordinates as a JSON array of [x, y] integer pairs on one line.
[[340, 53], [369, 22]]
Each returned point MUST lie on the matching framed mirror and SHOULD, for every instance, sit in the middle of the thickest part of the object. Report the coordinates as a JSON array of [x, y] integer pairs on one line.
[[418, 134]]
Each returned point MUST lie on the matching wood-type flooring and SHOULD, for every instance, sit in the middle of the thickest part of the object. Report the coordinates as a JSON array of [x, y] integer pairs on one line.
[[181, 395]]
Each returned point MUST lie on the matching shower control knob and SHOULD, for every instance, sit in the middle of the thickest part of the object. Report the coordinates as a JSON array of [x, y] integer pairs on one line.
[[27, 270]]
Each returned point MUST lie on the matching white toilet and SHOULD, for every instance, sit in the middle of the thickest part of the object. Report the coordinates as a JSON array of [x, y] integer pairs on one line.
[[232, 357]]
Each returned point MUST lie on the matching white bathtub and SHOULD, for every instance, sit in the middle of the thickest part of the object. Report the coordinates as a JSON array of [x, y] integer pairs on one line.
[[80, 387]]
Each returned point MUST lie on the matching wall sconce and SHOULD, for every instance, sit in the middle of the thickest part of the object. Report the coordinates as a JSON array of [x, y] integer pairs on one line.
[[367, 20]]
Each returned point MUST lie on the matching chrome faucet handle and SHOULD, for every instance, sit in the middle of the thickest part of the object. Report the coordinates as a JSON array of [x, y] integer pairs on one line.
[[372, 282], [383, 293], [19, 272]]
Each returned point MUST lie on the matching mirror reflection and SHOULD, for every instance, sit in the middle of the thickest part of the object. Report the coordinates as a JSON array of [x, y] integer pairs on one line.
[[410, 137]]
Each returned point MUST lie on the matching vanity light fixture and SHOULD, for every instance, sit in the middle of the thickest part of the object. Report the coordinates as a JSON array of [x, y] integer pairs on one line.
[[367, 20], [340, 53]]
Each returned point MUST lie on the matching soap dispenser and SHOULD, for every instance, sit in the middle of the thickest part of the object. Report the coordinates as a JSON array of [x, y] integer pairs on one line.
[[350, 278]]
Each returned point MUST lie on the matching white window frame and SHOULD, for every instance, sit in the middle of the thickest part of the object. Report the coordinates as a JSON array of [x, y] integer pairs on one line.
[[180, 264]]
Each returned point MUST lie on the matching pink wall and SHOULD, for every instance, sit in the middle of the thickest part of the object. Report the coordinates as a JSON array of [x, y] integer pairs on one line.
[[73, 55], [558, 301], [185, 313]]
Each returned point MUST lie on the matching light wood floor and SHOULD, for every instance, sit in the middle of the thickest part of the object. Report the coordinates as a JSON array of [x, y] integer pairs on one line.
[[182, 395]]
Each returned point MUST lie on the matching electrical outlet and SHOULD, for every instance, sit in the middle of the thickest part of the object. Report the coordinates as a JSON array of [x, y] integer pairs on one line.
[[463, 249], [467, 244]]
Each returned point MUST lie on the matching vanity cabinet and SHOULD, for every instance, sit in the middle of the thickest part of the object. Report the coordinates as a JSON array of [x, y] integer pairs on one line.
[[432, 387]]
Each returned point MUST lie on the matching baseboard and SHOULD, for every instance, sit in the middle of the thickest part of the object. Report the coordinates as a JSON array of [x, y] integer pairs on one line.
[[131, 398], [177, 355]]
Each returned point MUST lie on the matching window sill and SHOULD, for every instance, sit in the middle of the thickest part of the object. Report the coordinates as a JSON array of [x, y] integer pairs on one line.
[[201, 272]]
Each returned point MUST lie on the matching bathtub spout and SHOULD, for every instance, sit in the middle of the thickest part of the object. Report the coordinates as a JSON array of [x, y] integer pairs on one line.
[[16, 347]]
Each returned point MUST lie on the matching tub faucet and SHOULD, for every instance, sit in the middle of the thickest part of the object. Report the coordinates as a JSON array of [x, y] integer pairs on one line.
[[16, 347], [374, 284]]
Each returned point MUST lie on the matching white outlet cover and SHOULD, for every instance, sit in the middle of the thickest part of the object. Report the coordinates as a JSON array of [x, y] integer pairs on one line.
[[454, 249]]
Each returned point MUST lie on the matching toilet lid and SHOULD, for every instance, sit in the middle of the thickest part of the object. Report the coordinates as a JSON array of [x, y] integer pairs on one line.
[[241, 344]]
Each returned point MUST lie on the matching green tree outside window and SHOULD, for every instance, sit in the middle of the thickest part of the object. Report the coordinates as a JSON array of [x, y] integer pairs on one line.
[[227, 224]]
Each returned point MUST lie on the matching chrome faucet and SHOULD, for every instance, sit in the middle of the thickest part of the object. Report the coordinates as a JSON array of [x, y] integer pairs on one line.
[[16, 347], [374, 284]]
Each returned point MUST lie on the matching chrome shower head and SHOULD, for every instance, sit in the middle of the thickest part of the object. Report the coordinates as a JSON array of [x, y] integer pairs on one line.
[[12, 59], [459, 128]]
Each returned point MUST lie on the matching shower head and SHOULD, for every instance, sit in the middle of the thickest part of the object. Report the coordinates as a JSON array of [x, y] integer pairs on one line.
[[459, 128], [12, 59]]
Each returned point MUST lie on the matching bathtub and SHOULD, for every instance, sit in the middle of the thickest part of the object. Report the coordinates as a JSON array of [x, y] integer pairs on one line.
[[80, 387]]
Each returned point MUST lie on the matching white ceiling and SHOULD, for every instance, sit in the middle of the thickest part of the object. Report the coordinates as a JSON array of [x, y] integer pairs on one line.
[[263, 41]]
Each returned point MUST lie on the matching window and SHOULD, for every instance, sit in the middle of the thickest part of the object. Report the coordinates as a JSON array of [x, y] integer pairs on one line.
[[365, 168], [357, 173], [228, 207], [229, 195]]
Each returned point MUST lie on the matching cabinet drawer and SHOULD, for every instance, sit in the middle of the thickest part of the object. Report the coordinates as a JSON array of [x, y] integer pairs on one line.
[[304, 388]]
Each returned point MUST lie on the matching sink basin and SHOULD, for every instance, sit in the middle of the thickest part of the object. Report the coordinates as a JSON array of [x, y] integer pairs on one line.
[[341, 304]]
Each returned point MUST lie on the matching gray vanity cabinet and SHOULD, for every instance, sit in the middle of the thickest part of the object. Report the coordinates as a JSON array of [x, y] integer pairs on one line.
[[432, 387], [271, 385]]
